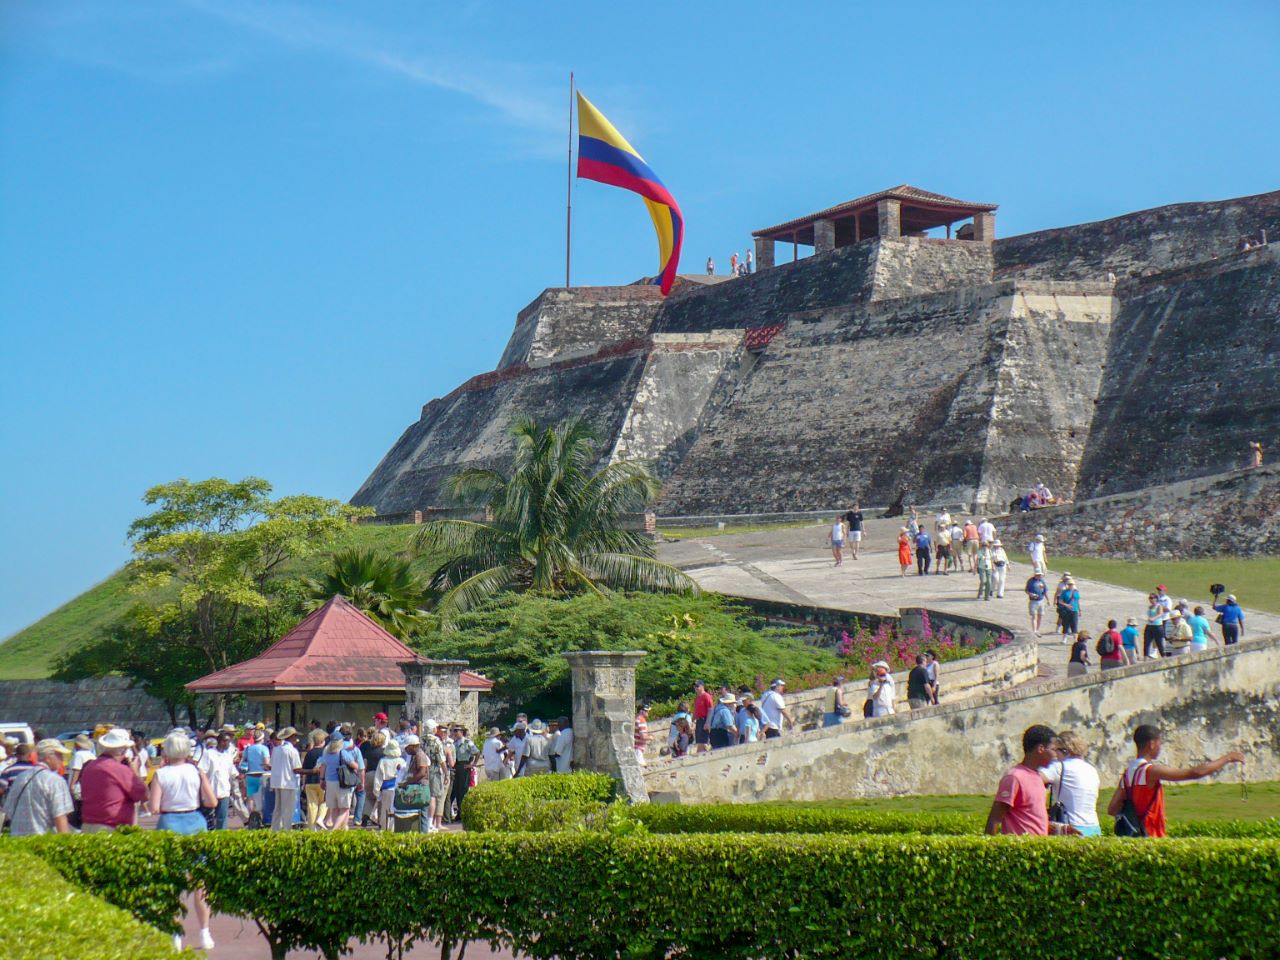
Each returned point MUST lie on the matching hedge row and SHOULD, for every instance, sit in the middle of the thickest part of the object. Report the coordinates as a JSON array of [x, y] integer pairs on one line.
[[45, 916], [552, 802], [596, 895], [765, 818]]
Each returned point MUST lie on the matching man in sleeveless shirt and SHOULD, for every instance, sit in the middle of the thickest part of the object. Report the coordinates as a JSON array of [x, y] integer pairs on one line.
[[1143, 779]]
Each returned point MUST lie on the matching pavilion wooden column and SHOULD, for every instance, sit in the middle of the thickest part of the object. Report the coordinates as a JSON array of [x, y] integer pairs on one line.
[[889, 213], [764, 253]]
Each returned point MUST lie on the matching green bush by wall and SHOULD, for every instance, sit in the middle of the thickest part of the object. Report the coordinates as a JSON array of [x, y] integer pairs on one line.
[[595, 895], [46, 916], [542, 803]]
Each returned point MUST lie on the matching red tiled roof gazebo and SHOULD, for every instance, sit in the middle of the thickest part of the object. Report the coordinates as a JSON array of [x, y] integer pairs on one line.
[[899, 211], [337, 664]]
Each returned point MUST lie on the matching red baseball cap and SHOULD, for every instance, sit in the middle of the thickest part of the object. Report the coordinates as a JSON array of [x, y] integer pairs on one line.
[[379, 716], [1159, 586]]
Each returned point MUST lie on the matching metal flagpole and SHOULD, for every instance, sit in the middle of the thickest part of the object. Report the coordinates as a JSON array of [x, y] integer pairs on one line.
[[568, 204]]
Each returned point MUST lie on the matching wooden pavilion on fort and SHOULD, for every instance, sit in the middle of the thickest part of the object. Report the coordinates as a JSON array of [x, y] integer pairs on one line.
[[900, 211], [337, 664]]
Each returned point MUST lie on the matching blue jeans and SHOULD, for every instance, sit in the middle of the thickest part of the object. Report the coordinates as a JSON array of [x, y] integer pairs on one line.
[[357, 807], [220, 814], [183, 823]]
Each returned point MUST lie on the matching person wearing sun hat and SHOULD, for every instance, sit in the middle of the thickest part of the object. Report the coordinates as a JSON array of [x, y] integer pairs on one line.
[[82, 753], [37, 802], [110, 788], [723, 730], [286, 767]]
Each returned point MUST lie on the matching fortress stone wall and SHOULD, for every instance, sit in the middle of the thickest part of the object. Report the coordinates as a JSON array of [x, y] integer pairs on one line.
[[957, 371]]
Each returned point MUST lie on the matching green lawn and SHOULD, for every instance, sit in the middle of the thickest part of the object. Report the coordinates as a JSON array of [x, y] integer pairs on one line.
[[688, 533], [30, 653], [1255, 581], [1196, 801]]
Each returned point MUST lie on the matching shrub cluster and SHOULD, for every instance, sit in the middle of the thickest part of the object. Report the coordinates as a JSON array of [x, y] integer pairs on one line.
[[725, 896], [538, 804], [47, 916]]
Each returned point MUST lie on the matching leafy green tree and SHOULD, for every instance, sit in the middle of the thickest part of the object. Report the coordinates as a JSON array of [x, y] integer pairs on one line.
[[558, 524], [517, 641], [383, 586], [205, 556]]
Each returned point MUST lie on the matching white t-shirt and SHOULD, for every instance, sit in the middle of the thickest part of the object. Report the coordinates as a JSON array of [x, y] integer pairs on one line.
[[179, 788], [1079, 790], [1166, 604], [957, 533], [493, 750], [562, 745], [943, 522], [284, 767], [220, 768], [837, 531], [771, 705], [1036, 549], [78, 760], [986, 532], [882, 702]]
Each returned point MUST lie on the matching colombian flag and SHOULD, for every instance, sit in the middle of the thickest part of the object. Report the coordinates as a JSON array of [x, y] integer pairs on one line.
[[604, 155]]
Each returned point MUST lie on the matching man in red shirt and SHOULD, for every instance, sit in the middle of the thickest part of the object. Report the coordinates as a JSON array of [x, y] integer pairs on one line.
[[702, 704], [1143, 777], [1020, 806], [109, 786]]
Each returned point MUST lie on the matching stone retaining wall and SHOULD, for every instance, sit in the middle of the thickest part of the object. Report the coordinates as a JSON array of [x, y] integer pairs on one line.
[[1206, 703], [57, 707], [1236, 513]]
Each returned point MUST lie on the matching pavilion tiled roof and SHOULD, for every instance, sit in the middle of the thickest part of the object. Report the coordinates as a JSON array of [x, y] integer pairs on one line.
[[903, 191], [336, 647]]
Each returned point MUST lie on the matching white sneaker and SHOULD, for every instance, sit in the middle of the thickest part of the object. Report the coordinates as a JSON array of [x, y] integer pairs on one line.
[[206, 939], [177, 941]]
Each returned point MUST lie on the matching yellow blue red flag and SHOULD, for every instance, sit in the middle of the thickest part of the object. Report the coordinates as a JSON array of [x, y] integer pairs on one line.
[[605, 156]]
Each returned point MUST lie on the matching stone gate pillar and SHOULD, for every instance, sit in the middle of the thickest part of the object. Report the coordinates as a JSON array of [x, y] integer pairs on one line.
[[604, 714], [432, 690]]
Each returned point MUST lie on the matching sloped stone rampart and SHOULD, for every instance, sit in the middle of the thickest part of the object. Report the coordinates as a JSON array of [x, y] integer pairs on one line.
[[1192, 375], [1206, 704], [1236, 513]]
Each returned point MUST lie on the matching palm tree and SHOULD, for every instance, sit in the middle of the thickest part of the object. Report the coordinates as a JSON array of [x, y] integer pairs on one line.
[[557, 524], [381, 585]]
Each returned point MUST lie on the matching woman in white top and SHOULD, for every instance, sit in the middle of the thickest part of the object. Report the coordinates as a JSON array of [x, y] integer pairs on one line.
[[880, 690], [1073, 782], [178, 790]]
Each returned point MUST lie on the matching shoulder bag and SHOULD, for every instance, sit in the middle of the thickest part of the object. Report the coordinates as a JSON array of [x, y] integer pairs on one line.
[[348, 778], [1058, 809], [412, 796]]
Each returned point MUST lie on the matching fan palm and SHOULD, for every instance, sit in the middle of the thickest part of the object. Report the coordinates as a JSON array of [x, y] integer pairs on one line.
[[383, 586], [557, 524]]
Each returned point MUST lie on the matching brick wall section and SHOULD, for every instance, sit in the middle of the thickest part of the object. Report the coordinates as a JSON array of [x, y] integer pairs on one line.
[[1236, 513]]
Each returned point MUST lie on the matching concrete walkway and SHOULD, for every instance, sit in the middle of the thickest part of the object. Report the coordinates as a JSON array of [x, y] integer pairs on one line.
[[794, 565]]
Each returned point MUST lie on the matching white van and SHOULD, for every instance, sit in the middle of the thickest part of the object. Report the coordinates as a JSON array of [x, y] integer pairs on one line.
[[17, 731]]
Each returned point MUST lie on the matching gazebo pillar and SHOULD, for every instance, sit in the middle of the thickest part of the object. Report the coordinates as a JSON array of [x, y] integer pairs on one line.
[[824, 236], [984, 226], [889, 213], [604, 712], [764, 253], [432, 690]]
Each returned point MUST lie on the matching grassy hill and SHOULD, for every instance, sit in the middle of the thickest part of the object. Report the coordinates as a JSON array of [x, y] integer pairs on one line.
[[30, 653]]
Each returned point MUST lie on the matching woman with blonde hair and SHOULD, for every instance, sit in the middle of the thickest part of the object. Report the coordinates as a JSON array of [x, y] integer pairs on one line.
[[178, 790], [1073, 786]]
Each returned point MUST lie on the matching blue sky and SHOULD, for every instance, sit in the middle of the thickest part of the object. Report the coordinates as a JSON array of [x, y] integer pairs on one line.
[[254, 238]]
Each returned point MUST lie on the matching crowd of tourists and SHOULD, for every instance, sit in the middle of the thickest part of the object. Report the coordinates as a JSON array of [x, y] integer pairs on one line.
[[1054, 789], [333, 777]]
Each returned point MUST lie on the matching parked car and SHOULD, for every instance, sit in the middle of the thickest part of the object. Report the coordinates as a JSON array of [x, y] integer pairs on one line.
[[17, 731]]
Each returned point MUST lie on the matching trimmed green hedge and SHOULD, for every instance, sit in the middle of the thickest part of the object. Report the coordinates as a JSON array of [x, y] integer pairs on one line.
[[766, 818], [541, 803], [595, 895], [46, 916]]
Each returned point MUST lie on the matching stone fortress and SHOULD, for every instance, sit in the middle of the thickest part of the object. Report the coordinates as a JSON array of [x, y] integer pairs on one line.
[[959, 369]]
